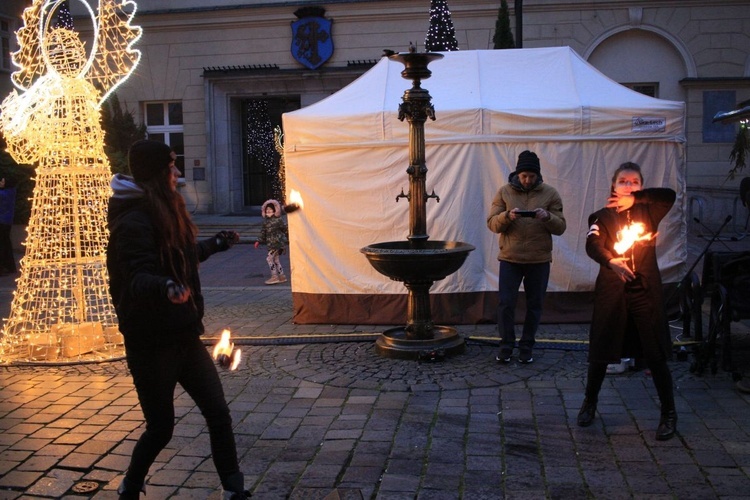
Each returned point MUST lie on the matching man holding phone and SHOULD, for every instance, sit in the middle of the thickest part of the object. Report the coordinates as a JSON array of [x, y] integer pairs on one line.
[[525, 212]]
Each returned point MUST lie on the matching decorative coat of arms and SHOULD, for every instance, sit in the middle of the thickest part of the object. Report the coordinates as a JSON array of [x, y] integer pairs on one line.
[[312, 42]]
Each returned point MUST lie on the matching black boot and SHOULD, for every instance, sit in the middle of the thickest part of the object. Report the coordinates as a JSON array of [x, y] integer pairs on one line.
[[130, 491], [665, 389], [587, 413], [667, 425], [234, 487]]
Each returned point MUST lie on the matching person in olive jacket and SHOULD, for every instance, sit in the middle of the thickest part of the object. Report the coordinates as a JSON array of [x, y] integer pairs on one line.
[[629, 318], [526, 212], [152, 260]]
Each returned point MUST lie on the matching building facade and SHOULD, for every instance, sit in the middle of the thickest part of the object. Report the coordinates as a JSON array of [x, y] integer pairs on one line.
[[208, 72]]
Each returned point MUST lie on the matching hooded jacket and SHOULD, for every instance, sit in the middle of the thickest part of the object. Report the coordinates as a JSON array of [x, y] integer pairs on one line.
[[138, 280], [526, 240], [274, 233]]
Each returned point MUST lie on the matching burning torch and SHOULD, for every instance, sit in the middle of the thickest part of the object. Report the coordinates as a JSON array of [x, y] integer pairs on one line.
[[225, 353], [295, 202], [628, 236]]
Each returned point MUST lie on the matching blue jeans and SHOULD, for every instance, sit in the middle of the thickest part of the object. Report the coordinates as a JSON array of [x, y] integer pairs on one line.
[[534, 278], [156, 373]]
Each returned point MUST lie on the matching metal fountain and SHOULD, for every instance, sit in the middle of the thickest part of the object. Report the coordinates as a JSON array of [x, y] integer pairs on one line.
[[417, 262]]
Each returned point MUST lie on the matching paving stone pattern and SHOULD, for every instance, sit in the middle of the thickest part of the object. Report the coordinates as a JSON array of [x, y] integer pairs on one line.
[[317, 418]]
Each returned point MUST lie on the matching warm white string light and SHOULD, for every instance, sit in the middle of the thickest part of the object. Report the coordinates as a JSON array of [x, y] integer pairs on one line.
[[61, 309]]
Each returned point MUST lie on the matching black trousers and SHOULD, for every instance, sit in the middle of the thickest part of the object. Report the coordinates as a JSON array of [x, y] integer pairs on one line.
[[156, 372], [643, 314]]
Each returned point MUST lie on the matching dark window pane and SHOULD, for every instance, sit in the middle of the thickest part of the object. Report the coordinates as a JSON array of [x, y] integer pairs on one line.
[[716, 101], [179, 162], [156, 137], [177, 142], [6, 54], [175, 113], [649, 90], [155, 114]]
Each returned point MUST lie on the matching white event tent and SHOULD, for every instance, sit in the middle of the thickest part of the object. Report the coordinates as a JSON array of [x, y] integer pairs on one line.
[[347, 155]]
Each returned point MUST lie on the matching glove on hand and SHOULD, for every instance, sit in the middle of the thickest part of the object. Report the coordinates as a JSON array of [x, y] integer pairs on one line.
[[177, 294], [226, 239]]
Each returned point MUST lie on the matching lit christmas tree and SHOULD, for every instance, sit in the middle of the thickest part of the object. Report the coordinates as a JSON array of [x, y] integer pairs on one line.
[[440, 36], [260, 144], [64, 19]]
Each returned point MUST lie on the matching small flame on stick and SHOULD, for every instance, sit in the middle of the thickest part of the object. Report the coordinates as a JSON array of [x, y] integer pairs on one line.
[[629, 235], [225, 353]]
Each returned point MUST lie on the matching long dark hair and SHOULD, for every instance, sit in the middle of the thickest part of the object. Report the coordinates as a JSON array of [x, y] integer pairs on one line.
[[174, 230]]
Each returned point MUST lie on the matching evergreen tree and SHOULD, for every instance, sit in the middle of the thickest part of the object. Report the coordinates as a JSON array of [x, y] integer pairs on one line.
[[22, 178], [120, 131], [440, 36], [503, 38], [260, 145]]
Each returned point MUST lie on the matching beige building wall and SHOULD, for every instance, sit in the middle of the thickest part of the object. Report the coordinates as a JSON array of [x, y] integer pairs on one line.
[[686, 47]]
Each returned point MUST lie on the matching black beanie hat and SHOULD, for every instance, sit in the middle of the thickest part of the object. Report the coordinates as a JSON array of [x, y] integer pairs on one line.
[[147, 159], [528, 162]]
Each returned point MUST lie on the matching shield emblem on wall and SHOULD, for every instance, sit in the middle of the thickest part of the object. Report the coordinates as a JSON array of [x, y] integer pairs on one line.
[[312, 43]]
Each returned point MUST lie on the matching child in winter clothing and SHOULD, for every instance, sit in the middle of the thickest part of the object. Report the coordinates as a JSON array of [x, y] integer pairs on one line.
[[275, 235]]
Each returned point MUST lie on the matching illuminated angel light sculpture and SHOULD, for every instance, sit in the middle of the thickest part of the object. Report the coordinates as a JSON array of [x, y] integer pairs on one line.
[[61, 309]]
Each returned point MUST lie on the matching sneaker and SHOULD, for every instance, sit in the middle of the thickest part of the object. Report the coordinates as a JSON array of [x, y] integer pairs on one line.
[[618, 368], [525, 357], [504, 356], [273, 280]]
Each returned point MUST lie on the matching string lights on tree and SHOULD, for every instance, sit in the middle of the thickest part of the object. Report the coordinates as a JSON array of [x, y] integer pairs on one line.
[[260, 144], [61, 309], [64, 18], [278, 144], [441, 36]]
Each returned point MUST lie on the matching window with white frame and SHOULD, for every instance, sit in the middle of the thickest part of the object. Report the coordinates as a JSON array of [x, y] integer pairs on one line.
[[164, 123], [5, 38], [649, 89]]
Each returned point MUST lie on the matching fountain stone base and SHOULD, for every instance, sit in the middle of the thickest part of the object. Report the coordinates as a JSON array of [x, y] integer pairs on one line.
[[418, 265], [396, 343]]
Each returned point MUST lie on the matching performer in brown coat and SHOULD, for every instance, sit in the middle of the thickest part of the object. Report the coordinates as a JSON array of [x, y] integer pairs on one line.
[[629, 318]]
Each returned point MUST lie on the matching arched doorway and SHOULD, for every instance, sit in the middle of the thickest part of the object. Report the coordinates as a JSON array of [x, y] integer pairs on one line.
[[642, 60]]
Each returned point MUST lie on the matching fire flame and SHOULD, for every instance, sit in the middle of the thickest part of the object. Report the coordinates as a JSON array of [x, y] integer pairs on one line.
[[225, 353], [629, 235], [295, 198]]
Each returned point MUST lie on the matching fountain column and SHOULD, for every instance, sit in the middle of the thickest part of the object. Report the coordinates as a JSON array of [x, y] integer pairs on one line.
[[418, 262]]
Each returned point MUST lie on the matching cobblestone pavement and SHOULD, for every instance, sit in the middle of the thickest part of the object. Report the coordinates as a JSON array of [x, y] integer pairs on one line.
[[317, 418]]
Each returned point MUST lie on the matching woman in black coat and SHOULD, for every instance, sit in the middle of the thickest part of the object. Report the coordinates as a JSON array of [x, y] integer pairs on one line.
[[629, 318], [152, 260]]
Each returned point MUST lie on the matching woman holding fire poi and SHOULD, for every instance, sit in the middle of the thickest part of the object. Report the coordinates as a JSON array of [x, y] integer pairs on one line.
[[629, 318], [152, 259]]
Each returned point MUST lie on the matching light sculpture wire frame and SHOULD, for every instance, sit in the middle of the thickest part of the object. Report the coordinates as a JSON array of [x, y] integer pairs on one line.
[[61, 309]]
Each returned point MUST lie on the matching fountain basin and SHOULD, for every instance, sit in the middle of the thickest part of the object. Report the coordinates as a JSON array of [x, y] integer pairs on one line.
[[424, 261]]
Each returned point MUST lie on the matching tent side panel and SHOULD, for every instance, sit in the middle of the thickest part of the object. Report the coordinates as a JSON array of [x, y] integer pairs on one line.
[[470, 308]]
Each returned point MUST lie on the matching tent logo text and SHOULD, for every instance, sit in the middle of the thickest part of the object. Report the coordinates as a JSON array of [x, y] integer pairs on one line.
[[312, 42], [649, 124]]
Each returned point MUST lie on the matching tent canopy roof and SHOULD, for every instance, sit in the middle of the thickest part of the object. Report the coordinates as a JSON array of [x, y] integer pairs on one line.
[[542, 92]]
